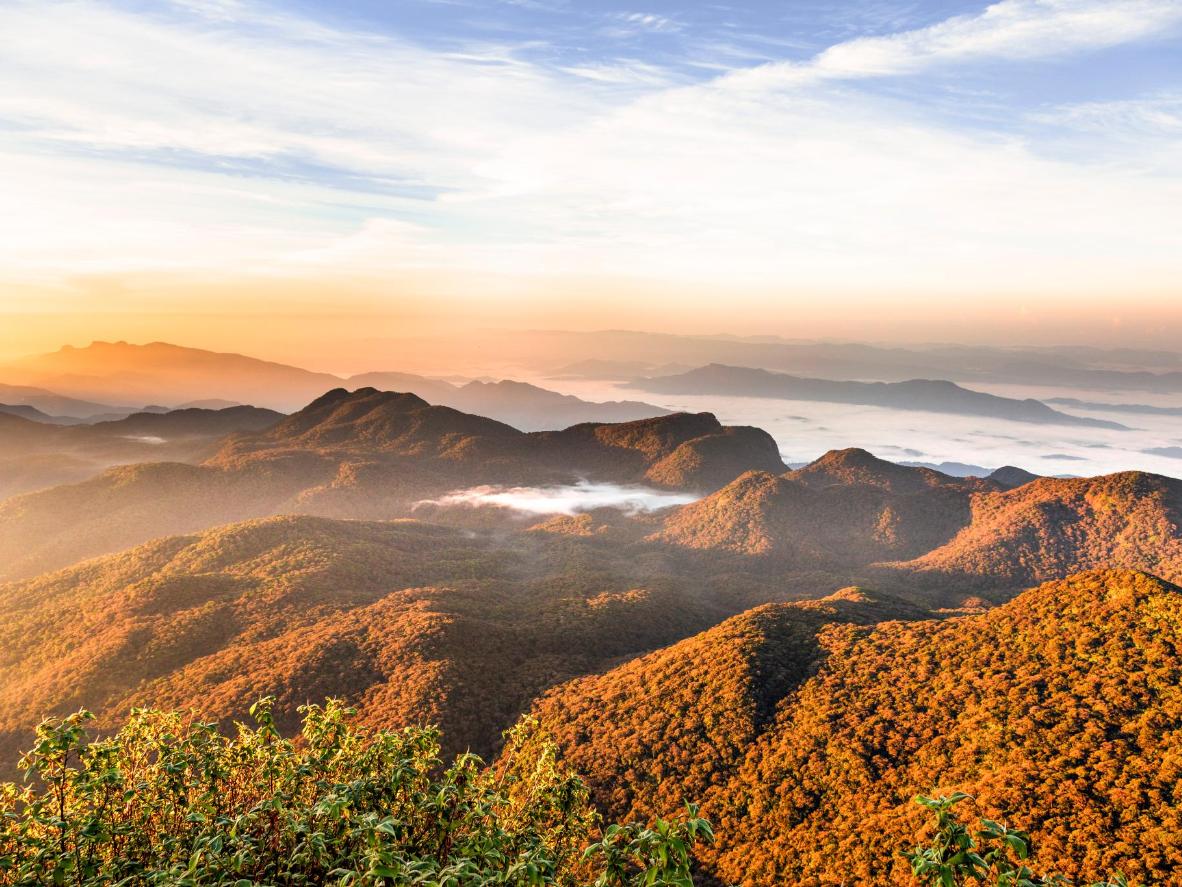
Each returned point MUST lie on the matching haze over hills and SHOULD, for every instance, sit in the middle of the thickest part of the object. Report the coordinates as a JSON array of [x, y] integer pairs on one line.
[[1135, 408], [56, 405], [554, 351], [160, 373], [27, 411], [914, 394], [807, 735], [532, 443], [367, 454], [519, 404], [36, 454]]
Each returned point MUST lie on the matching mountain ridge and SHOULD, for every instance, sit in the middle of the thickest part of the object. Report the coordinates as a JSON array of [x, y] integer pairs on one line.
[[925, 395]]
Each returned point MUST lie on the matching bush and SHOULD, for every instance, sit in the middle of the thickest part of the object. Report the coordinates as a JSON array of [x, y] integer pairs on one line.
[[995, 855], [171, 800]]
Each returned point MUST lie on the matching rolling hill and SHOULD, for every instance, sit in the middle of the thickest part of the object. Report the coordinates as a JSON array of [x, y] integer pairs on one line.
[[807, 733], [1052, 527], [365, 454], [844, 511], [416, 623]]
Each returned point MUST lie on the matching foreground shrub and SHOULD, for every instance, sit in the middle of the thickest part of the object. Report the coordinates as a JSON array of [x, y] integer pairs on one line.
[[172, 800], [994, 855]]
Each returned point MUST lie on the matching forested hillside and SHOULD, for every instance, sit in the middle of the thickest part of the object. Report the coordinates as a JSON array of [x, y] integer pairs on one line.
[[808, 735], [416, 623]]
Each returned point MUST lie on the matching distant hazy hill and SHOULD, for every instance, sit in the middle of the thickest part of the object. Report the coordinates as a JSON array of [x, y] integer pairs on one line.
[[366, 454], [25, 411], [519, 404], [807, 736], [56, 405], [916, 394], [1137, 408], [1117, 369], [620, 370], [160, 373], [36, 454]]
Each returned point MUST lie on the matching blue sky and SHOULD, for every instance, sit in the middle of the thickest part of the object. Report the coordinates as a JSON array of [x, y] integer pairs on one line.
[[1024, 149]]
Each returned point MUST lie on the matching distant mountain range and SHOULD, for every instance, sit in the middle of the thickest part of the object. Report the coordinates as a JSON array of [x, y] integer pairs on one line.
[[916, 394], [1135, 408], [519, 404], [556, 351], [160, 373], [54, 407]]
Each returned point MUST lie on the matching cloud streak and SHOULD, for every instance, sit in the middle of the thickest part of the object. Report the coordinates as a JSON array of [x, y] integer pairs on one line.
[[1010, 29], [569, 499]]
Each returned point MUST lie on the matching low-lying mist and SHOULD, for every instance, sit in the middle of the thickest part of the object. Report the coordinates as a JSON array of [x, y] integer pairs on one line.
[[565, 499]]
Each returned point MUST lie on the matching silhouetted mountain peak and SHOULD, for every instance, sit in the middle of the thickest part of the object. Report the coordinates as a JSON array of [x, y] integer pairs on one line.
[[1010, 476]]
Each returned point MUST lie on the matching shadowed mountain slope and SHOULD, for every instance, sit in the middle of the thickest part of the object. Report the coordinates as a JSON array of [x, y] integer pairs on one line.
[[414, 622], [1059, 711]]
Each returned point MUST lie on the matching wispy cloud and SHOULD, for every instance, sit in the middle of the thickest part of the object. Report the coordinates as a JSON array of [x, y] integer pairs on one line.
[[1010, 29], [646, 21], [228, 135], [569, 499]]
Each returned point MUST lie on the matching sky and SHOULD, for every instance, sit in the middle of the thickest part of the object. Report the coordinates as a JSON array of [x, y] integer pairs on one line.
[[875, 169]]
